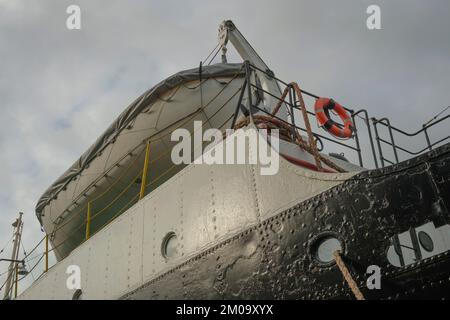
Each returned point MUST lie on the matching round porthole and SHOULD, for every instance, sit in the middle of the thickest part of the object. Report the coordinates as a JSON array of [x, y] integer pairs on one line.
[[425, 241], [169, 247], [323, 248]]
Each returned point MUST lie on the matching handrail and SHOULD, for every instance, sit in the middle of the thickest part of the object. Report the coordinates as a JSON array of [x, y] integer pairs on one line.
[[385, 122], [411, 134], [292, 104], [417, 152], [363, 115]]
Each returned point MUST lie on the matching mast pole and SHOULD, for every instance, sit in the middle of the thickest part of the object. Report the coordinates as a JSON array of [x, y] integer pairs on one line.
[[14, 255]]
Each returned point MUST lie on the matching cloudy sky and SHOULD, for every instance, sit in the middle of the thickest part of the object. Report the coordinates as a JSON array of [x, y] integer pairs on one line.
[[60, 88]]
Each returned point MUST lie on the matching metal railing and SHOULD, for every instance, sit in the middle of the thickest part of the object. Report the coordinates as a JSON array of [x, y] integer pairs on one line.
[[395, 148], [377, 155]]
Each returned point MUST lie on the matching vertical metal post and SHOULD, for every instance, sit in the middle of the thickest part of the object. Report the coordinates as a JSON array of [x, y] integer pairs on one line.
[[427, 137], [357, 140], [236, 112], [292, 102], [249, 88], [88, 221], [394, 147], [366, 120], [144, 171], [377, 137], [46, 252], [16, 281], [18, 224]]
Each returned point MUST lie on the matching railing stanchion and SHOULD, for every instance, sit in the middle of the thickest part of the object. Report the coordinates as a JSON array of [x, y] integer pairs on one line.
[[394, 147], [144, 171], [377, 137], [358, 146], [366, 120], [88, 221], [427, 137], [16, 280], [236, 112]]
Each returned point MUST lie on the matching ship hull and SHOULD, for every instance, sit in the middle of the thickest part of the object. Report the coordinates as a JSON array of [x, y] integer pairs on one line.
[[369, 214]]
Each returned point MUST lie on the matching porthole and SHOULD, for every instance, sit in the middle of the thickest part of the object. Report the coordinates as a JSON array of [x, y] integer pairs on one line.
[[323, 248], [169, 247], [425, 241]]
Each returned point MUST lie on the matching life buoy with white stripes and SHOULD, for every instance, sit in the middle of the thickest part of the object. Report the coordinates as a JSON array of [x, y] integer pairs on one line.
[[322, 109]]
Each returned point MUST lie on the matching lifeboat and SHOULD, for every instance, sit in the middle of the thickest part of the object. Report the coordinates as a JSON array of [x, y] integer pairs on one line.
[[106, 179]]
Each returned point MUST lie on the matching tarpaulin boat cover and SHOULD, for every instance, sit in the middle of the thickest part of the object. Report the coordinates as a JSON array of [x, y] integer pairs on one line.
[[127, 116]]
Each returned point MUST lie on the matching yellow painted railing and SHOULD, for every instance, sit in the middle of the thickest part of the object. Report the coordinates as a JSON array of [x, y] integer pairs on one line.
[[88, 221], [145, 171]]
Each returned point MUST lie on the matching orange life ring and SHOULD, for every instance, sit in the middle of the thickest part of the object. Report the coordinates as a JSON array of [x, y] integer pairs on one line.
[[322, 109]]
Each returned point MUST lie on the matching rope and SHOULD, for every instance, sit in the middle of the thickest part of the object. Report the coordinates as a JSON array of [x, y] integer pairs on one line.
[[209, 55], [311, 148], [4, 283], [26, 260], [215, 55], [31, 270], [347, 276], [7, 243], [262, 121], [312, 143], [35, 247], [124, 190]]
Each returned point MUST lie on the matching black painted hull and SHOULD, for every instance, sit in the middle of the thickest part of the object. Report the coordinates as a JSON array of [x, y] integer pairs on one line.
[[274, 261]]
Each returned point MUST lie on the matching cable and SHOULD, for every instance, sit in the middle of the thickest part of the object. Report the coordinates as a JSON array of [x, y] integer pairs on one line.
[[31, 270], [215, 55], [35, 247], [7, 243], [203, 61], [436, 116], [26, 260]]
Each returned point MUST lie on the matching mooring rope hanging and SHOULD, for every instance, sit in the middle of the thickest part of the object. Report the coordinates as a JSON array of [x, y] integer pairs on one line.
[[271, 122], [347, 276], [312, 148]]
